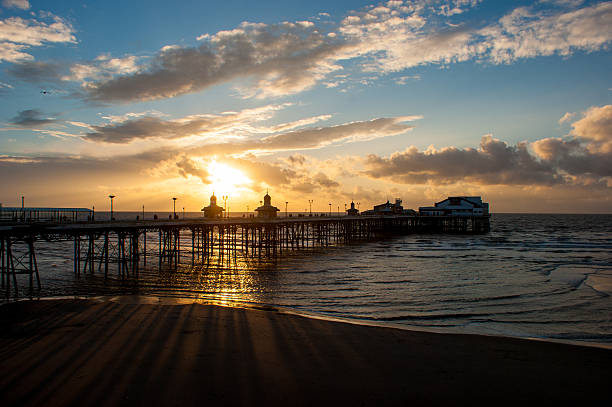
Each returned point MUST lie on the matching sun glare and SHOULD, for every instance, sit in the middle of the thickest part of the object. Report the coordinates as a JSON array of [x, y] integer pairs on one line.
[[226, 180]]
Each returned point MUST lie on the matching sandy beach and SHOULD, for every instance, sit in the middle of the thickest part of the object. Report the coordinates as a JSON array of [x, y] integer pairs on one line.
[[82, 352]]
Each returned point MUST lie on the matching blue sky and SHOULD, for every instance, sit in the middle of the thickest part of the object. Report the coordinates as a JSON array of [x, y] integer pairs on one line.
[[340, 100]]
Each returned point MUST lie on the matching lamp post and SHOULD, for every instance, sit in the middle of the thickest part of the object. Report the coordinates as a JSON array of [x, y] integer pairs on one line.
[[310, 201], [183, 213], [338, 210], [286, 204], [224, 197], [357, 205], [345, 209], [330, 209], [111, 198], [174, 208]]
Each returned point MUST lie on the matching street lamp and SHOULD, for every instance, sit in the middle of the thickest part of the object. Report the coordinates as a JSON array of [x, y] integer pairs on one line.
[[310, 201], [111, 198], [330, 209], [224, 197], [174, 208], [183, 213], [286, 204], [338, 210], [345, 209], [142, 212], [357, 205]]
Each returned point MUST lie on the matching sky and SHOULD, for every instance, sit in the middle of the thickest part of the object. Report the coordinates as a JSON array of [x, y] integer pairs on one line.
[[325, 101]]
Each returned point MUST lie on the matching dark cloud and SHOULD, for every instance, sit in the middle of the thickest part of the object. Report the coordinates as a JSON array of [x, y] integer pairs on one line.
[[296, 160], [37, 72], [31, 118], [144, 128], [584, 156], [324, 181], [494, 162]]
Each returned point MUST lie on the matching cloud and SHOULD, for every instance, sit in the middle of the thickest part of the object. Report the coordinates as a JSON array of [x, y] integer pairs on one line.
[[596, 129], [588, 150], [31, 118], [187, 167], [269, 60], [136, 126], [564, 3], [22, 4], [584, 157], [494, 162], [102, 67], [319, 137], [36, 72], [18, 34], [280, 59], [526, 34], [400, 37], [241, 132], [568, 116]]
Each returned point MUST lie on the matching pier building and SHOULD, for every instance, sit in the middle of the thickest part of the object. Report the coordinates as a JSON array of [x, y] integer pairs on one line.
[[213, 211], [457, 206], [389, 208], [267, 211], [352, 211]]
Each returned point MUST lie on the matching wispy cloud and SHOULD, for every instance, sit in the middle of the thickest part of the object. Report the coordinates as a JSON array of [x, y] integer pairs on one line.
[[150, 125], [568, 116], [22, 4]]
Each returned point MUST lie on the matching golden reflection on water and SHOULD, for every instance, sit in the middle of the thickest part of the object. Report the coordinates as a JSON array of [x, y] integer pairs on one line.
[[223, 280]]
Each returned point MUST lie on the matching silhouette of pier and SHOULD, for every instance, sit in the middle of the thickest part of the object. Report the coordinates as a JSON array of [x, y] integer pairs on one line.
[[102, 246]]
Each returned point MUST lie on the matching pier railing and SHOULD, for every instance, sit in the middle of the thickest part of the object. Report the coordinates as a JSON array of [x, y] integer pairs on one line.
[[98, 246]]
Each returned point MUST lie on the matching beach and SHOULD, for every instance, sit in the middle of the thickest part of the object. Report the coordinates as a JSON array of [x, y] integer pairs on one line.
[[102, 352]]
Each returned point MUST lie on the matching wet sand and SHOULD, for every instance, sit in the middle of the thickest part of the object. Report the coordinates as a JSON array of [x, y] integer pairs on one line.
[[79, 352]]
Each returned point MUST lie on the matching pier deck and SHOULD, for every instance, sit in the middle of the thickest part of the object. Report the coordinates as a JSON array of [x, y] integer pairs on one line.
[[98, 245]]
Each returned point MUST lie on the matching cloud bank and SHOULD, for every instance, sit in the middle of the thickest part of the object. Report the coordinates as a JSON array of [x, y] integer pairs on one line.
[[286, 58], [584, 157]]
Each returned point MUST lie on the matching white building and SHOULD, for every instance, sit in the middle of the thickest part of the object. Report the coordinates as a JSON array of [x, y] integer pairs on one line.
[[457, 206]]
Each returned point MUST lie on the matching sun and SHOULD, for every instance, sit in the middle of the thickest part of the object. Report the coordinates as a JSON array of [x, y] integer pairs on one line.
[[225, 180]]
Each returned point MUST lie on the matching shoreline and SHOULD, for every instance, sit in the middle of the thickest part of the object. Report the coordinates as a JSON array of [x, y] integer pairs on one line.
[[87, 352], [167, 300]]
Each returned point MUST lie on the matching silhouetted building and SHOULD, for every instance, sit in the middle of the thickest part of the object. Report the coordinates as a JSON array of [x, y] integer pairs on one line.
[[389, 208], [267, 210], [213, 210], [457, 206], [352, 211]]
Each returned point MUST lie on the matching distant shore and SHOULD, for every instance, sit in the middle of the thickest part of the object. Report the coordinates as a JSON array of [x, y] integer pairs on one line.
[[83, 352]]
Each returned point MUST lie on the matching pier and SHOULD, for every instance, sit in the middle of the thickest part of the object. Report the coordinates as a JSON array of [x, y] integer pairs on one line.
[[122, 245]]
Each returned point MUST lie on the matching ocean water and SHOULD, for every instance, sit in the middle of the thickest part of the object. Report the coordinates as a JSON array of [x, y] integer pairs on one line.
[[545, 276]]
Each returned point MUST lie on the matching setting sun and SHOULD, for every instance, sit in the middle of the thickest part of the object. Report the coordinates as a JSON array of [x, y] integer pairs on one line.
[[225, 180]]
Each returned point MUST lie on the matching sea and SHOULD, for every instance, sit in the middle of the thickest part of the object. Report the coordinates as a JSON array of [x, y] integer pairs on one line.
[[543, 276]]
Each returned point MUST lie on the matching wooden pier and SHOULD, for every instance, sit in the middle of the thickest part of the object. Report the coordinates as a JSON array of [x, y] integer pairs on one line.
[[98, 246]]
